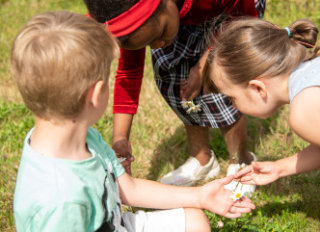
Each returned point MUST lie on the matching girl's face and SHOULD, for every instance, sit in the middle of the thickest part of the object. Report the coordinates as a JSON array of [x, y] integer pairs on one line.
[[159, 32], [251, 98]]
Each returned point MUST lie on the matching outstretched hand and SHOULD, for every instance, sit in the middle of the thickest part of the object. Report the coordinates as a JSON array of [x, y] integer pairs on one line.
[[123, 149], [219, 200], [258, 173]]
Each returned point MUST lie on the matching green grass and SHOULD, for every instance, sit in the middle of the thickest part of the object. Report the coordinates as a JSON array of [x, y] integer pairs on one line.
[[158, 137]]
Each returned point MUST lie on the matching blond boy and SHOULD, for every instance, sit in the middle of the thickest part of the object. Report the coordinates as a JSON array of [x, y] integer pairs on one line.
[[69, 179]]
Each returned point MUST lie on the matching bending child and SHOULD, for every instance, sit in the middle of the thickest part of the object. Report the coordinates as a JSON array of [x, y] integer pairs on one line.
[[274, 66], [69, 179], [175, 31]]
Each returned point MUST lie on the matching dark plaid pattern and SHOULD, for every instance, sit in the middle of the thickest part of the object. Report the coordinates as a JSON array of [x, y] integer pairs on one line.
[[260, 6], [172, 64]]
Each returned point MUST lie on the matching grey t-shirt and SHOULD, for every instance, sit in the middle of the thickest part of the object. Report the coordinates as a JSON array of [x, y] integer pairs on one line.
[[305, 75]]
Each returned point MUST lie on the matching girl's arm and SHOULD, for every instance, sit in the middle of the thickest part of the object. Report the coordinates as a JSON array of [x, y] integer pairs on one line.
[[128, 81], [212, 196], [304, 119], [262, 173], [304, 161], [125, 101]]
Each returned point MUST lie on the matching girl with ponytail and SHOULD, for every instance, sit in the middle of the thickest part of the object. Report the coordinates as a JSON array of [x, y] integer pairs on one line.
[[262, 67]]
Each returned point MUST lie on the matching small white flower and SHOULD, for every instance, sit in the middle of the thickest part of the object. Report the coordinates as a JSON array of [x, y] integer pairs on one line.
[[121, 159], [220, 224], [194, 109], [186, 104], [189, 111], [237, 195], [237, 192]]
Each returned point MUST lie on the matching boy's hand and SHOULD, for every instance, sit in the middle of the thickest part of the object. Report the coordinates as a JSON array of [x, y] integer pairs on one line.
[[258, 173], [219, 200], [123, 149]]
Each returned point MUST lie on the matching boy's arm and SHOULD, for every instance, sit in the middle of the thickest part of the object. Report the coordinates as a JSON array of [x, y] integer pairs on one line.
[[212, 196]]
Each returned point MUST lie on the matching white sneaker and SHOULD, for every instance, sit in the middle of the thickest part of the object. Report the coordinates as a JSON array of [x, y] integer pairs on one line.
[[192, 171], [246, 189]]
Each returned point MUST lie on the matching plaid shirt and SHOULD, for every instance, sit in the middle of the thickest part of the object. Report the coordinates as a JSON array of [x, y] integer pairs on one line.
[[172, 64]]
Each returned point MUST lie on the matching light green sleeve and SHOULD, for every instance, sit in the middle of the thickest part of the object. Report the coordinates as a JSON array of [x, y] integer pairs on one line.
[[117, 166], [106, 150], [66, 217]]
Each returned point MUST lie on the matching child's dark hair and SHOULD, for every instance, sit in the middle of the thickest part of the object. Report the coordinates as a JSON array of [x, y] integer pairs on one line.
[[104, 10], [246, 49]]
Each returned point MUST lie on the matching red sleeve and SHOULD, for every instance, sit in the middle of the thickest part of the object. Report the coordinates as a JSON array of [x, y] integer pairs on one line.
[[239, 7], [128, 81], [205, 10]]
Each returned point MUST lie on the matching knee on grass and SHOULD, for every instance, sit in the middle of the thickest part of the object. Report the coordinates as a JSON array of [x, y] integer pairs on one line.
[[196, 220]]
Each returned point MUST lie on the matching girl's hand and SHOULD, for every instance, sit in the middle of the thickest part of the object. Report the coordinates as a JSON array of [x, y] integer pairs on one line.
[[258, 173], [219, 200], [123, 149], [190, 88]]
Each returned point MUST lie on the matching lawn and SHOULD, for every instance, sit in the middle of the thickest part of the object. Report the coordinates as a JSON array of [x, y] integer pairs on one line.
[[158, 138]]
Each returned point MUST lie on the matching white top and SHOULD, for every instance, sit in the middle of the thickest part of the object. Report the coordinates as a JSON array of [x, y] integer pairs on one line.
[[305, 75]]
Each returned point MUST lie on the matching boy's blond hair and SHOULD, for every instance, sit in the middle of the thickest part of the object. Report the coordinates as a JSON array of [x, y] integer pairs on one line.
[[55, 59]]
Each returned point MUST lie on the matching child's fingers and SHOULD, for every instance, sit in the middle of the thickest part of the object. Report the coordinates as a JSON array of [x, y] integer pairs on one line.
[[125, 158], [244, 204], [226, 180], [246, 199], [246, 178], [250, 182], [128, 170], [183, 86], [232, 215], [127, 166], [187, 93], [183, 82], [260, 166], [243, 172], [130, 158], [240, 209]]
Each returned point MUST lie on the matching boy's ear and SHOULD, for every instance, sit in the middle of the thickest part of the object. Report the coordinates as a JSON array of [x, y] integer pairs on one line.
[[94, 93], [259, 87]]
